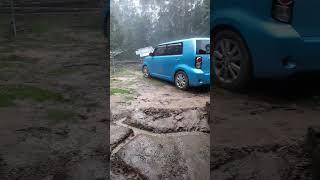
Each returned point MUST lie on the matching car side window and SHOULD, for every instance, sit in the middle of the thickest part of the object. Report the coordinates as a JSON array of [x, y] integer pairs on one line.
[[160, 51], [174, 49]]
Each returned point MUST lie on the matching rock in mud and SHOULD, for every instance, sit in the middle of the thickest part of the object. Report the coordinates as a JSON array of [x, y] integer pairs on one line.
[[169, 157], [118, 134], [178, 117]]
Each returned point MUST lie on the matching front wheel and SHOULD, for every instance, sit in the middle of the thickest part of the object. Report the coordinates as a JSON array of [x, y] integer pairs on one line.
[[145, 72], [231, 60], [181, 80]]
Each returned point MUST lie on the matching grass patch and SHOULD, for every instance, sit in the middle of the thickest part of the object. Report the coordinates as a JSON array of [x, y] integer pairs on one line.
[[40, 27], [119, 91], [129, 98], [10, 93], [16, 58], [121, 72], [63, 71], [7, 49], [59, 115], [12, 60], [113, 80]]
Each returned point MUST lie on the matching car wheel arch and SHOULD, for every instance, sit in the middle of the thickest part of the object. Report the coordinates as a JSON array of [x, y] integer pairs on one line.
[[222, 27], [177, 70]]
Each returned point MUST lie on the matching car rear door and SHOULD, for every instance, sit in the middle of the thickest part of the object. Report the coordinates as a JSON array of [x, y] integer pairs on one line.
[[203, 50]]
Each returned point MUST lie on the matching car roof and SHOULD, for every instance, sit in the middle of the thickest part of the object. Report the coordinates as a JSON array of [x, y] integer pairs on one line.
[[183, 40]]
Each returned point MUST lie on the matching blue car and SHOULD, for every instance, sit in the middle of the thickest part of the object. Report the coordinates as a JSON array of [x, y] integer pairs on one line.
[[263, 39], [185, 62]]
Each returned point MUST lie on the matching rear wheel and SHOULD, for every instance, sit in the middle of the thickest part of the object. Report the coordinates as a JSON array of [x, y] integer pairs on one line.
[[231, 60], [181, 80]]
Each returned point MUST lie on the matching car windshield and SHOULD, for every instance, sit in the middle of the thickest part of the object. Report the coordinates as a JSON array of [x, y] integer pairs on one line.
[[203, 46]]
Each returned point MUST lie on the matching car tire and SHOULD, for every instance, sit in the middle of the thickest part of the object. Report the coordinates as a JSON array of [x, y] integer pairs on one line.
[[181, 80], [145, 72], [231, 65]]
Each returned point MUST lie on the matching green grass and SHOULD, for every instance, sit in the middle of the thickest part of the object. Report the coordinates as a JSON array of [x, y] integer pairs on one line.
[[121, 72], [12, 60], [10, 93], [64, 71], [113, 81], [7, 49], [40, 27], [59, 115], [129, 98], [16, 58], [119, 91]]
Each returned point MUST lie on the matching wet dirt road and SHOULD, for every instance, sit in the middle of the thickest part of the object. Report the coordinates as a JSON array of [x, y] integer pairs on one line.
[[157, 131], [260, 133]]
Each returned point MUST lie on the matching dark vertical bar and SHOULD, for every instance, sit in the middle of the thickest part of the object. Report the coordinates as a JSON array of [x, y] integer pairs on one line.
[[106, 24], [13, 19]]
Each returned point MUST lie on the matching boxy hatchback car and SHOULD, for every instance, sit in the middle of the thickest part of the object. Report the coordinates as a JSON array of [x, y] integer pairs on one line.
[[184, 62], [263, 39]]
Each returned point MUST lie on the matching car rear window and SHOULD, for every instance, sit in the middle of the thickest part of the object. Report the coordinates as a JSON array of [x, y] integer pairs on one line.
[[203, 46]]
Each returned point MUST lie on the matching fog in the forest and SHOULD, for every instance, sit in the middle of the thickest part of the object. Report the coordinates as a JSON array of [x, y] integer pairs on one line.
[[140, 23]]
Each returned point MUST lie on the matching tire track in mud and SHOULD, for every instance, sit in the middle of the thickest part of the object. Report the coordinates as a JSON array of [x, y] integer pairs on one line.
[[137, 131], [162, 121]]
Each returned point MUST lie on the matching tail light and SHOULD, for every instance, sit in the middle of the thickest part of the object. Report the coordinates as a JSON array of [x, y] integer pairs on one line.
[[198, 62], [282, 10]]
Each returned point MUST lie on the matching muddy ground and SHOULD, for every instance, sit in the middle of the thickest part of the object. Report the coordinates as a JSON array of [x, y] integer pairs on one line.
[[157, 131], [260, 133], [53, 121]]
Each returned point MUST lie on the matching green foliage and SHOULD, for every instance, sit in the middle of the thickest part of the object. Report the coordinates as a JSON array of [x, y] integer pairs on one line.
[[148, 23], [10, 93]]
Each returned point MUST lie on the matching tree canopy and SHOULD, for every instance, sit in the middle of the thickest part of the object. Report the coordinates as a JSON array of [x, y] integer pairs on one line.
[[141, 23]]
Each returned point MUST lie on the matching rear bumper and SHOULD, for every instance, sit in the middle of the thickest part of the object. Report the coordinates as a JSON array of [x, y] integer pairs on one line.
[[197, 77], [280, 51]]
